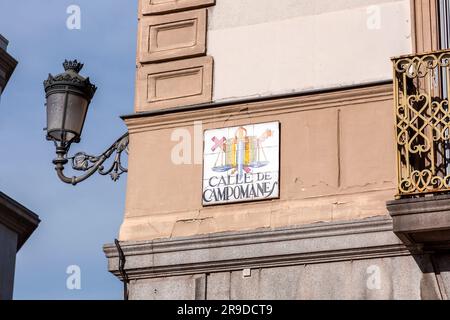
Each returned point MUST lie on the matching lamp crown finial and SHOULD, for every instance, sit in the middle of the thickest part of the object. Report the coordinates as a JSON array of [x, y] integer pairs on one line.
[[73, 65]]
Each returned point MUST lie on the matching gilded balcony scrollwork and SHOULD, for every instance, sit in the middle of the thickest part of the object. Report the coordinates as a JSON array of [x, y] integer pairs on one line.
[[421, 89]]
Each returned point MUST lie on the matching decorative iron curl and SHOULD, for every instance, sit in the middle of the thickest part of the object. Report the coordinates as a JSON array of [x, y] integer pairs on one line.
[[89, 164], [419, 66], [422, 112]]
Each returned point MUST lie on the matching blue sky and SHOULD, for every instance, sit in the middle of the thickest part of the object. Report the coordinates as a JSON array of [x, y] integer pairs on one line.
[[76, 221]]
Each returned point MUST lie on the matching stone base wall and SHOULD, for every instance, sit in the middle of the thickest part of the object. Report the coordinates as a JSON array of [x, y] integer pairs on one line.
[[360, 259]]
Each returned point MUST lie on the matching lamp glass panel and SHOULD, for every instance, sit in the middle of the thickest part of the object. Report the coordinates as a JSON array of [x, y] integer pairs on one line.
[[55, 113], [75, 115]]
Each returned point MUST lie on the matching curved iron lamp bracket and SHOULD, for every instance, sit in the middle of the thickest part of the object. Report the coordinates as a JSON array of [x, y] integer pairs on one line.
[[89, 164]]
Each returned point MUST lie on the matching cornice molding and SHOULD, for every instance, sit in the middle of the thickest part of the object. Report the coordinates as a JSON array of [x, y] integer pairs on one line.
[[317, 243], [17, 218], [249, 108], [436, 203], [423, 221], [7, 65]]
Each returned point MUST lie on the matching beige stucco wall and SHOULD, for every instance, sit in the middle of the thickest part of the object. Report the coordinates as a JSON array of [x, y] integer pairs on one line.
[[337, 163], [264, 47], [337, 158]]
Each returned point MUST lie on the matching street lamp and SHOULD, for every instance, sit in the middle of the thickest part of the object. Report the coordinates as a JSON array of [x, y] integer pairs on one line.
[[68, 97]]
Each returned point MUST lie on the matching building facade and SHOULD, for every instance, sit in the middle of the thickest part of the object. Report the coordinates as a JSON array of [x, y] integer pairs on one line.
[[7, 64], [17, 223], [276, 151]]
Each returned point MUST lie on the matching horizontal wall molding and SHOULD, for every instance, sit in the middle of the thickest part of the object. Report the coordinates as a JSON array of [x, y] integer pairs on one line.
[[424, 220], [173, 36], [150, 7], [207, 113], [179, 82], [7, 66], [316, 243], [17, 218]]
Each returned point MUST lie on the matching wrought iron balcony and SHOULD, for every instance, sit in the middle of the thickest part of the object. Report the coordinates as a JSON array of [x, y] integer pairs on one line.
[[421, 91]]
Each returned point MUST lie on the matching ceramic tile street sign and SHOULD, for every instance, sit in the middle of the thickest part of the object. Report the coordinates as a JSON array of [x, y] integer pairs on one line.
[[241, 163]]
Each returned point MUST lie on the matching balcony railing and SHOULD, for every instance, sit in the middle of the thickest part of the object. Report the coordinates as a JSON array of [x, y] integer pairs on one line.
[[421, 90]]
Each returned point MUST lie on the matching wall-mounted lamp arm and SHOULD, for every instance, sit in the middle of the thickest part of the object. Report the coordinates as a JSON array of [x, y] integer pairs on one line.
[[91, 164]]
